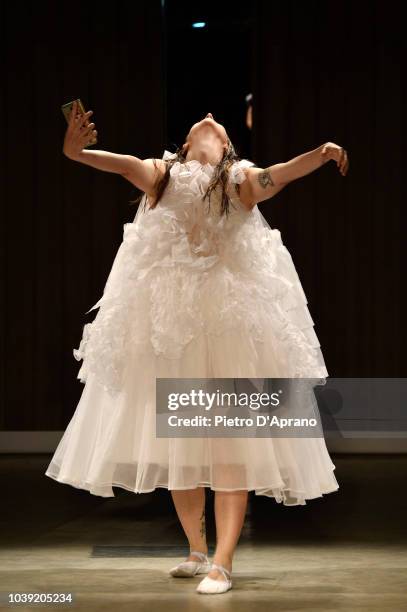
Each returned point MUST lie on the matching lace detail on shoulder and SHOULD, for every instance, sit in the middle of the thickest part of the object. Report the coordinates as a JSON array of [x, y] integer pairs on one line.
[[168, 155], [236, 174]]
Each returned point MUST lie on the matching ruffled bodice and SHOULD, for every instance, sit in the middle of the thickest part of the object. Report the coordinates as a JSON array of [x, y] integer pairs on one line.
[[183, 270]]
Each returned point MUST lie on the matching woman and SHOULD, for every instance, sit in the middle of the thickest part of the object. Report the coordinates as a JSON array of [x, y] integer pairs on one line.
[[201, 287]]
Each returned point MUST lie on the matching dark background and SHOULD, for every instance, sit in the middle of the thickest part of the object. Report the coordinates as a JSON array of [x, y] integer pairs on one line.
[[318, 71], [209, 69]]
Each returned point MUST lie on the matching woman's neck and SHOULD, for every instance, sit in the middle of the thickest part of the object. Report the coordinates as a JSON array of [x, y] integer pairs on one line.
[[206, 152]]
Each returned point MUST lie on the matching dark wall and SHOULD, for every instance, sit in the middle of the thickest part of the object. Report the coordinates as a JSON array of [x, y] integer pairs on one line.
[[328, 71], [321, 71], [62, 222], [208, 69]]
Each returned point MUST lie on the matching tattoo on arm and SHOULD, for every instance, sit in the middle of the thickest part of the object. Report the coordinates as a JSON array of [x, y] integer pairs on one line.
[[265, 179], [202, 519]]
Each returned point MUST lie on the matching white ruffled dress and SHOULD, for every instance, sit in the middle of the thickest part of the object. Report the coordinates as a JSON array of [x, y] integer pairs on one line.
[[192, 294]]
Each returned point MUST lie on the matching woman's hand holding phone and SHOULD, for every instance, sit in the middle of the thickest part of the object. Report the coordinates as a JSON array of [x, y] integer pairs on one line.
[[78, 133]]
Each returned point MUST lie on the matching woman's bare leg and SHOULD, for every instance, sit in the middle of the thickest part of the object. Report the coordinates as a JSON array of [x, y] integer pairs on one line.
[[190, 507], [230, 511]]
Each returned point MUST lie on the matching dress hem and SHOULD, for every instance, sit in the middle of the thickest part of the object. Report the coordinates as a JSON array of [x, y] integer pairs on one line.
[[259, 491]]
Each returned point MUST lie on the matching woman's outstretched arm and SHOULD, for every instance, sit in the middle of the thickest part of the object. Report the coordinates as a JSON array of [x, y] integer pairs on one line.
[[264, 183], [140, 172]]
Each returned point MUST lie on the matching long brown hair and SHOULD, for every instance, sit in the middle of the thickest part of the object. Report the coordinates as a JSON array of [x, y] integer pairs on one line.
[[220, 177]]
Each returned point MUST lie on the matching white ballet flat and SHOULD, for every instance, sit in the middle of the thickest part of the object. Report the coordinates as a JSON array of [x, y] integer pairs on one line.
[[210, 585], [190, 568]]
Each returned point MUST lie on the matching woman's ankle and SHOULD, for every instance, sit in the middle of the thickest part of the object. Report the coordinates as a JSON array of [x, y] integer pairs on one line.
[[202, 548], [224, 559]]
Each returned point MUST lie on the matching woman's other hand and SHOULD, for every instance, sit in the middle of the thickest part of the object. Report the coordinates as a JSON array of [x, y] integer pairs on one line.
[[78, 133], [333, 151]]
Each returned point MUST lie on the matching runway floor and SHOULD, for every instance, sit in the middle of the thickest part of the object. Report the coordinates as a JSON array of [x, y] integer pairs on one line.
[[344, 552]]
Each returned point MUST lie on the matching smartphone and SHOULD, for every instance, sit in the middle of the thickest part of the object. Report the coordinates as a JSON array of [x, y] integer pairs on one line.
[[66, 110]]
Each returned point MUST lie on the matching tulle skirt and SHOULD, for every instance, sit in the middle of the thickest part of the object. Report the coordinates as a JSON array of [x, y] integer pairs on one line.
[[111, 441]]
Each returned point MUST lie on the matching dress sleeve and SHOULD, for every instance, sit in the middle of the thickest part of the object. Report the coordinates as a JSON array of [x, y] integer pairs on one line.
[[236, 174]]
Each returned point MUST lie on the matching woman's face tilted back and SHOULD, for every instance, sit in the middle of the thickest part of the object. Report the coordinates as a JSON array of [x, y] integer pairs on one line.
[[207, 142], [206, 135]]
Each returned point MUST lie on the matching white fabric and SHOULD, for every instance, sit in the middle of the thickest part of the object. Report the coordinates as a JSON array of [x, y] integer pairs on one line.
[[192, 294]]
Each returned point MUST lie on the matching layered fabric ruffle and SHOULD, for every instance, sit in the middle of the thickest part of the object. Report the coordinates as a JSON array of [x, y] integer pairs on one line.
[[181, 272]]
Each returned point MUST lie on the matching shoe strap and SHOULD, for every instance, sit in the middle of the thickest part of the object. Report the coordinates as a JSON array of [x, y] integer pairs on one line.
[[201, 555], [222, 569]]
